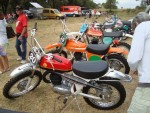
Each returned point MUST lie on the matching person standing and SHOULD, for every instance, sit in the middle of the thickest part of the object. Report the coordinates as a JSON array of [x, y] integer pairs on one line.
[[4, 66], [139, 62], [21, 34]]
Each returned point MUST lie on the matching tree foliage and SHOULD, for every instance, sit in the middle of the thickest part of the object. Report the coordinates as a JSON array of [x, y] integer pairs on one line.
[[4, 5], [111, 4], [9, 5]]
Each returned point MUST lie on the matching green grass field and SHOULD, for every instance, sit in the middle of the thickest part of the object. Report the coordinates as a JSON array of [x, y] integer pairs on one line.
[[43, 99]]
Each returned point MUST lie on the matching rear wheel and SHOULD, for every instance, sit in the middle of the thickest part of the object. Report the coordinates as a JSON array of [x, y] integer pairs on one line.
[[22, 84], [118, 63], [111, 96]]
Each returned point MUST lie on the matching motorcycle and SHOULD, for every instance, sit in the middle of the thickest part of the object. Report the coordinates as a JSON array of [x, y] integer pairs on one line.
[[90, 34], [78, 51], [99, 85]]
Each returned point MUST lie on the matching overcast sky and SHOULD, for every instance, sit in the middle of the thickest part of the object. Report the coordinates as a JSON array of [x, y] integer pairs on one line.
[[123, 3]]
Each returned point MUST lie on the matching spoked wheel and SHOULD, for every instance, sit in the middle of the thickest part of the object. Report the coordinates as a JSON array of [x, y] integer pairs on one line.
[[22, 84], [111, 96], [118, 63]]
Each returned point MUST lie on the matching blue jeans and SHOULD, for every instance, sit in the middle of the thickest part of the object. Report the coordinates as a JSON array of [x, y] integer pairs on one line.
[[21, 51]]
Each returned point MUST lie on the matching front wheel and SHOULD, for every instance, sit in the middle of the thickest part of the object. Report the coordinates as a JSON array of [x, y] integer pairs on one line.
[[118, 63], [111, 96], [22, 84]]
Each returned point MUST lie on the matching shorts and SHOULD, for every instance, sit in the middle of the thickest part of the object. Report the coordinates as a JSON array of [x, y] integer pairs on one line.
[[140, 101], [3, 49]]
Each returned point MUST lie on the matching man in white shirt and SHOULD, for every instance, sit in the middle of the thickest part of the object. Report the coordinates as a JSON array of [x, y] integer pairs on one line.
[[139, 61]]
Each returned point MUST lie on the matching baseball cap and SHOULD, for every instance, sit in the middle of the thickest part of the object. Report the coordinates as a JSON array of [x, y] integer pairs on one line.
[[19, 7]]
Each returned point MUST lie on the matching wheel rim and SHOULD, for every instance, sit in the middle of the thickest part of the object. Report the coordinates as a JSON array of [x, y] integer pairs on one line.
[[20, 87], [109, 96], [117, 65]]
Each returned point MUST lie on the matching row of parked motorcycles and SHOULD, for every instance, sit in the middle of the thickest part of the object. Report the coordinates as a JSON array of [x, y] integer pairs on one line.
[[94, 58]]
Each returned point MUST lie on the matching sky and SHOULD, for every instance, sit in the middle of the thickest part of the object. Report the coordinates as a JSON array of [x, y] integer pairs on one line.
[[123, 3]]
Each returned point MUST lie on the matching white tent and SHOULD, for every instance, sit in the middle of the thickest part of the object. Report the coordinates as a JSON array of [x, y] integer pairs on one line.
[[36, 5], [36, 9]]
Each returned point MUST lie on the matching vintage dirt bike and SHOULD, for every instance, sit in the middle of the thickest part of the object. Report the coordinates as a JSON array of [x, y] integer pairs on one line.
[[99, 85], [90, 52]]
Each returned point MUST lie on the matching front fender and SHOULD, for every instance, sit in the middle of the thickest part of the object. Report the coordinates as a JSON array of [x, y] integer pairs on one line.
[[50, 46], [118, 75], [21, 69], [117, 50]]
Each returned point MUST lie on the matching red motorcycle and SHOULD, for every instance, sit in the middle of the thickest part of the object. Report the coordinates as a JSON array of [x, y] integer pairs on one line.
[[95, 81]]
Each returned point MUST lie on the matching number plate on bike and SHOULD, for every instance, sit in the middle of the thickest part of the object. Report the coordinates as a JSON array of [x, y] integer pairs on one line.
[[32, 58], [63, 39]]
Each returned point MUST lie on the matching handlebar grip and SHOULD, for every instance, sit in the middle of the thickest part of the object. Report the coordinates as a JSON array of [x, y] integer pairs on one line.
[[57, 59]]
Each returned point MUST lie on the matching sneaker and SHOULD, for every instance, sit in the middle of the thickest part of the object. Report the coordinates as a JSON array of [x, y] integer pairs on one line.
[[23, 61], [19, 58]]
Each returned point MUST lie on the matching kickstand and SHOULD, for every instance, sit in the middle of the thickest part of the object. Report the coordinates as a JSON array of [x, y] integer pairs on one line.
[[67, 105]]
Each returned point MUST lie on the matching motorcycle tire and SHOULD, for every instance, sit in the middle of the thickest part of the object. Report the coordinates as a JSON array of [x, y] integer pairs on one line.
[[107, 86], [123, 45], [9, 85], [121, 60], [57, 51]]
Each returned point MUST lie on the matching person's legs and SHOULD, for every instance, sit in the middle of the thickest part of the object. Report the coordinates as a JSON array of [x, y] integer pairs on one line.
[[2, 53], [18, 43], [24, 47], [1, 66], [5, 63], [140, 101]]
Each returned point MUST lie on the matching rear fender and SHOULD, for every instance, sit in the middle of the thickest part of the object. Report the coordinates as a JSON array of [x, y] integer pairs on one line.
[[117, 50], [21, 69], [118, 75], [50, 46]]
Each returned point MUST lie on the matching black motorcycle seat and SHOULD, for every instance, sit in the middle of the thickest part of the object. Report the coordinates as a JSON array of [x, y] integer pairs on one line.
[[90, 69], [113, 34], [108, 26], [99, 49], [128, 23]]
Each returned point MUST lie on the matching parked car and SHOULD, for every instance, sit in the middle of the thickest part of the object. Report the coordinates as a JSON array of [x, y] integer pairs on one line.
[[28, 13], [52, 13]]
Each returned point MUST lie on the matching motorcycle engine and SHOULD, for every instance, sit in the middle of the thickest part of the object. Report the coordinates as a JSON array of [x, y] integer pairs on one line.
[[94, 41], [60, 85], [78, 56]]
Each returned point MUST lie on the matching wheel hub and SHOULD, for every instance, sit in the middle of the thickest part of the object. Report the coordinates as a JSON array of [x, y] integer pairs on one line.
[[22, 84], [105, 94], [116, 65]]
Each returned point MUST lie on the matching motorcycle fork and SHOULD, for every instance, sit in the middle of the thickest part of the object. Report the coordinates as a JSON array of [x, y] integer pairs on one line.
[[30, 78]]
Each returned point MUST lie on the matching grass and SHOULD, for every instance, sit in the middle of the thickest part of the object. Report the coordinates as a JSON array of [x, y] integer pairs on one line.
[[43, 99]]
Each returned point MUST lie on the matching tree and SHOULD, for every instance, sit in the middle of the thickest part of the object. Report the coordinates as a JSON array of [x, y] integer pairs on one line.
[[4, 4], [110, 4]]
